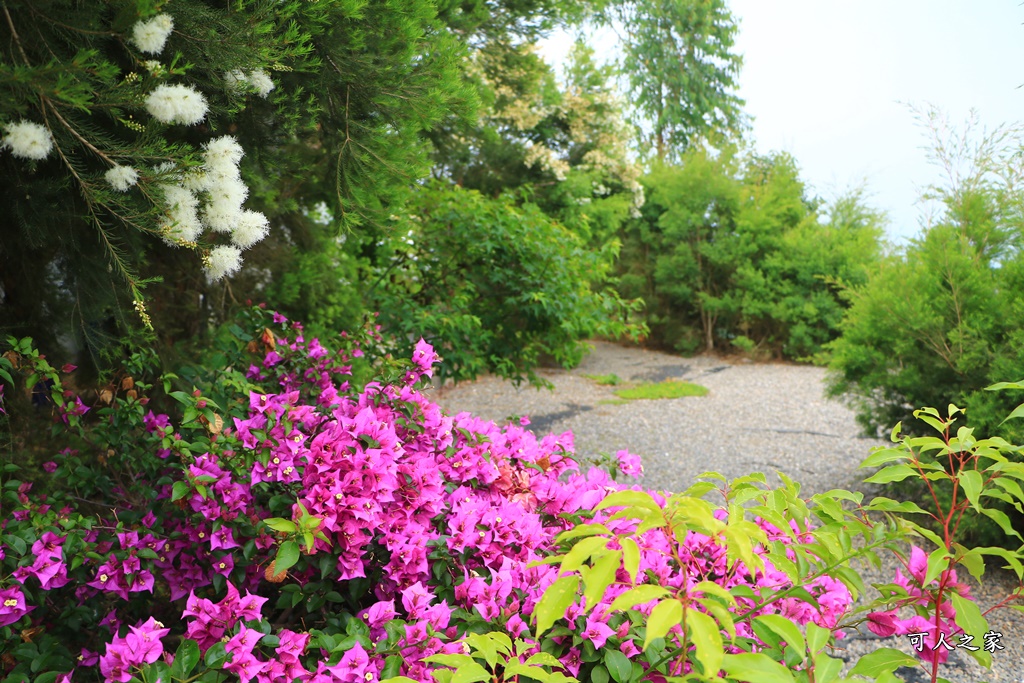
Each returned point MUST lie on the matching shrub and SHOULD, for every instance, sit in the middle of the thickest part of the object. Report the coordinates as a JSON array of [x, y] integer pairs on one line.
[[495, 286]]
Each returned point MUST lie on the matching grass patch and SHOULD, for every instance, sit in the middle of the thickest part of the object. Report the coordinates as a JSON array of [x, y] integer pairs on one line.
[[670, 388], [613, 402], [605, 380]]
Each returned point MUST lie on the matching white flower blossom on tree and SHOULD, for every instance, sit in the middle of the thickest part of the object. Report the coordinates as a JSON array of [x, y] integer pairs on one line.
[[223, 154], [181, 222], [28, 140], [235, 79], [151, 35], [122, 178], [225, 190], [223, 261], [176, 104], [261, 83], [257, 79], [252, 227]]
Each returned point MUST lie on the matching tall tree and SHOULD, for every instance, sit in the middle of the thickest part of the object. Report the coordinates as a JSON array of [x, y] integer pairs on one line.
[[677, 57], [133, 131]]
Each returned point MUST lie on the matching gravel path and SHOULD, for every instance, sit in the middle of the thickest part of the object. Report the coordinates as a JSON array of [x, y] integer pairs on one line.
[[755, 418]]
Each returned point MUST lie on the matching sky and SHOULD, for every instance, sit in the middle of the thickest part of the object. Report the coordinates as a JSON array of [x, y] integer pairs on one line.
[[832, 82]]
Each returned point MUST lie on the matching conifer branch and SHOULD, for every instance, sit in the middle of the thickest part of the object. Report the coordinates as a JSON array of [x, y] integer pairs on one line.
[[14, 34]]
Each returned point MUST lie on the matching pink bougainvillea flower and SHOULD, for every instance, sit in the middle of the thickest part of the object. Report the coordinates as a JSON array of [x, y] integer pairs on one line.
[[423, 357], [12, 605], [629, 464], [883, 624]]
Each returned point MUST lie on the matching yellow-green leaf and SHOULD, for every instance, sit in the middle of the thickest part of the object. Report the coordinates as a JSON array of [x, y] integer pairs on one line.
[[554, 602], [756, 667], [882, 660], [630, 557], [705, 634], [597, 578], [664, 616], [786, 629], [638, 596]]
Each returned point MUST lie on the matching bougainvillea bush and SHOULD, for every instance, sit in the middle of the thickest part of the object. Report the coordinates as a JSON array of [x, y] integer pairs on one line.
[[278, 520]]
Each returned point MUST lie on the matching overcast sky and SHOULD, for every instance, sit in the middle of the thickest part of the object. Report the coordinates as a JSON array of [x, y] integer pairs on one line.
[[830, 82]]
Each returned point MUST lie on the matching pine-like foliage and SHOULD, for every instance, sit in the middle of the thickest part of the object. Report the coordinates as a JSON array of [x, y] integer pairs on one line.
[[119, 185]]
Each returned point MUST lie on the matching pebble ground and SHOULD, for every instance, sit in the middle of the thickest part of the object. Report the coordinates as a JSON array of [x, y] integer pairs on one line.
[[757, 417]]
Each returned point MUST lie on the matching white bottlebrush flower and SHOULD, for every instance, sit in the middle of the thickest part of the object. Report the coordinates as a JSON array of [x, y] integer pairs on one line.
[[260, 82], [222, 152], [227, 192], [28, 140], [181, 222], [236, 79], [151, 35], [122, 178], [224, 260], [176, 104], [222, 216], [196, 180], [252, 227]]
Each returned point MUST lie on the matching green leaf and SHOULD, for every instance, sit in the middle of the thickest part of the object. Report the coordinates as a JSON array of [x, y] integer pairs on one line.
[[628, 499], [817, 637], [484, 646], [936, 564], [1002, 520], [664, 616], [215, 656], [786, 629], [892, 473], [638, 596], [705, 634], [630, 557], [581, 552], [1017, 413], [971, 482], [826, 668], [287, 556], [283, 525], [453, 660], [555, 602], [1000, 386], [582, 530], [599, 674], [471, 673], [180, 490], [618, 665], [882, 660], [756, 667], [881, 456], [889, 505], [972, 559], [597, 578], [968, 616], [545, 659], [185, 657]]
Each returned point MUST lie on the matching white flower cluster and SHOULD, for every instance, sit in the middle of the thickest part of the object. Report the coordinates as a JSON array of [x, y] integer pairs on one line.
[[150, 36], [220, 182], [122, 178], [257, 79], [28, 140], [176, 104]]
